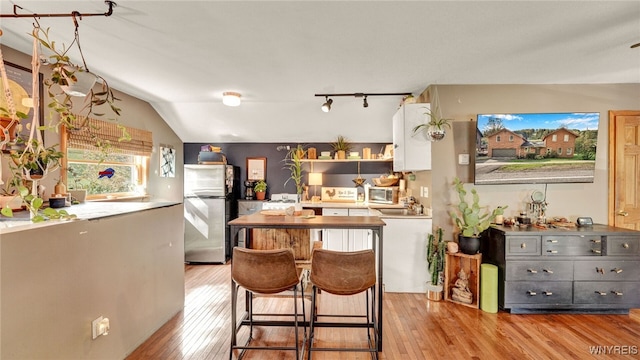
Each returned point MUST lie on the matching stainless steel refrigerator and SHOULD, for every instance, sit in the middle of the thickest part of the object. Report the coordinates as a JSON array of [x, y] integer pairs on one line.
[[209, 205]]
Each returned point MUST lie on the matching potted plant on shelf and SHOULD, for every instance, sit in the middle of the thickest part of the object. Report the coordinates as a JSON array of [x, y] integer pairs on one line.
[[434, 129], [293, 162], [470, 220], [260, 189], [436, 260], [341, 146]]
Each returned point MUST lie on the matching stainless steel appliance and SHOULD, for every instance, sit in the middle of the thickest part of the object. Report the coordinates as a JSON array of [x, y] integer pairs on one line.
[[247, 207], [209, 204], [383, 194]]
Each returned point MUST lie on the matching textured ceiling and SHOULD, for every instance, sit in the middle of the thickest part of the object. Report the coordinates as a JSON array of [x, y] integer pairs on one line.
[[181, 55]]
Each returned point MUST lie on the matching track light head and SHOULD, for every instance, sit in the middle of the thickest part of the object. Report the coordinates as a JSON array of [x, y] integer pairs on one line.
[[326, 107], [364, 102]]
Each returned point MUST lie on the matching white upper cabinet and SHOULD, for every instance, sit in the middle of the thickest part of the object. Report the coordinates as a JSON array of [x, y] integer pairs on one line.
[[411, 152]]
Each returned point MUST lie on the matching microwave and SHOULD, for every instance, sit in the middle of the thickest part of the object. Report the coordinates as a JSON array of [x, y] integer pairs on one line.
[[383, 194]]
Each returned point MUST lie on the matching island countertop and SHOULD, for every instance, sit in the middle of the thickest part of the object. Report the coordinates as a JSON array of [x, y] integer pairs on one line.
[[85, 211]]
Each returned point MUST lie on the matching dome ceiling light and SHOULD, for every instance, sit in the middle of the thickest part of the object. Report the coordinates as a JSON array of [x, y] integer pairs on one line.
[[231, 98]]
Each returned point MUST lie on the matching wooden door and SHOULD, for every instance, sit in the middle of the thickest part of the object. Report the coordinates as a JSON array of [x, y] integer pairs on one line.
[[624, 169]]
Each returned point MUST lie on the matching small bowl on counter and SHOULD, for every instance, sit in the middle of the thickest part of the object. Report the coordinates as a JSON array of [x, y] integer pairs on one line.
[[385, 181]]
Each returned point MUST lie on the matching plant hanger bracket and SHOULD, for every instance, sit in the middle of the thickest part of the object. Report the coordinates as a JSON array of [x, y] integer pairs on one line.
[[73, 14]]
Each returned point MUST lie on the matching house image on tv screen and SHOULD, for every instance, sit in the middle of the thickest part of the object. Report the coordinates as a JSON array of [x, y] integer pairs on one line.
[[536, 148]]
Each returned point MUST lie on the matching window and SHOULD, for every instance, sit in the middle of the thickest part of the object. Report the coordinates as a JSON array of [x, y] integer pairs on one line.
[[114, 174], [569, 151], [511, 138], [120, 171], [498, 138], [554, 137], [566, 137], [559, 151]]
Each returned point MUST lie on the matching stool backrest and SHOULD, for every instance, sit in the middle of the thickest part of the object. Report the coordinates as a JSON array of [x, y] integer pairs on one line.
[[343, 273], [264, 271]]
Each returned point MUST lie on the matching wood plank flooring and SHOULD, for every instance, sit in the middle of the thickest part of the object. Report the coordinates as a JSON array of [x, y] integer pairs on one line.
[[414, 328]]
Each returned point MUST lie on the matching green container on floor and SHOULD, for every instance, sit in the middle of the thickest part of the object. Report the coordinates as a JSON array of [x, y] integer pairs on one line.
[[489, 288]]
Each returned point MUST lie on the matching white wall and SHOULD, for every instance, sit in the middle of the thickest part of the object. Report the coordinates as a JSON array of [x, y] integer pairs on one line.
[[464, 102], [56, 279]]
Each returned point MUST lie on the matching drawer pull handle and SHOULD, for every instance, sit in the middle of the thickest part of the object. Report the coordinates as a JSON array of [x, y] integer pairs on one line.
[[532, 271], [596, 251], [601, 293], [616, 270], [552, 241], [523, 245], [600, 270], [531, 293], [625, 245], [596, 241], [547, 293], [548, 271], [617, 293], [552, 251]]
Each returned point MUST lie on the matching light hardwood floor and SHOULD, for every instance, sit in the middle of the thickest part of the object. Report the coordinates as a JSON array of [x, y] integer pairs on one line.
[[414, 328]]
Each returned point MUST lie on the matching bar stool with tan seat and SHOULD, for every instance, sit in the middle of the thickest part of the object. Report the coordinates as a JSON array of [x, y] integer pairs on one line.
[[264, 272], [344, 273]]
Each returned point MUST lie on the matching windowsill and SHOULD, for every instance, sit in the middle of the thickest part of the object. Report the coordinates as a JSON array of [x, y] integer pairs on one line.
[[120, 198]]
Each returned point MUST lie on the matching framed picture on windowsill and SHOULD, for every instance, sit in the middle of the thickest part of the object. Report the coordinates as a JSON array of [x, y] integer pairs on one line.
[[20, 83]]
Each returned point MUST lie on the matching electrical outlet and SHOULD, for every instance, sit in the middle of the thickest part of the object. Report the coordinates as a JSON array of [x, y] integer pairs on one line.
[[99, 326], [424, 191]]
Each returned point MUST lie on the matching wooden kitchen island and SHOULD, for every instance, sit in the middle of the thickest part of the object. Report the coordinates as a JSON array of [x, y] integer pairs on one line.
[[373, 223]]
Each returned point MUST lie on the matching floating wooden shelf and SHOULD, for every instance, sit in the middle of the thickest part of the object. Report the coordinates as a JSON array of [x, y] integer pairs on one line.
[[471, 265], [346, 160]]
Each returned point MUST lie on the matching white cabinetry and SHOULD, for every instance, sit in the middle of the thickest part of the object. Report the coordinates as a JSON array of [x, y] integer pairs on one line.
[[410, 152], [343, 239], [404, 254]]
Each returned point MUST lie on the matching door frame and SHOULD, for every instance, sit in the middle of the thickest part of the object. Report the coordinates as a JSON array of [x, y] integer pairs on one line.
[[612, 159]]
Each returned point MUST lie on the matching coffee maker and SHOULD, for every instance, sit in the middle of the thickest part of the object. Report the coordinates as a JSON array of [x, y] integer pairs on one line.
[[249, 193]]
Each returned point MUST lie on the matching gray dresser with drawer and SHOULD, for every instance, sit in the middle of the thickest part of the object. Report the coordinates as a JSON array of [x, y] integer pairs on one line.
[[593, 269]]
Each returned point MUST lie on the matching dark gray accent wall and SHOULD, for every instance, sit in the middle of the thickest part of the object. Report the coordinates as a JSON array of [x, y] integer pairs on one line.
[[338, 174]]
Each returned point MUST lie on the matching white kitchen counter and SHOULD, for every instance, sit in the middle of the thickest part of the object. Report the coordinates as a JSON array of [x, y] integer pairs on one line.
[[373, 207], [84, 211]]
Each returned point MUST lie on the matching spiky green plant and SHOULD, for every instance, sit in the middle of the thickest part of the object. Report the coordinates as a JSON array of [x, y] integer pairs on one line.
[[468, 218], [435, 255]]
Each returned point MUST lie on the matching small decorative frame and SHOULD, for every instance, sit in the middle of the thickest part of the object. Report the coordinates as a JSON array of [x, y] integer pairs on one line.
[[256, 168], [22, 76], [167, 161]]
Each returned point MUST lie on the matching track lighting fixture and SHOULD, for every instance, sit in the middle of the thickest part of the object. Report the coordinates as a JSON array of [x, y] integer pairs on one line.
[[327, 105]]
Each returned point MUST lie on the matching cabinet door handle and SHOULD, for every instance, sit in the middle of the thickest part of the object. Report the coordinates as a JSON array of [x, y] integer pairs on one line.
[[598, 241], [547, 293], [601, 293], [552, 251], [523, 245], [533, 271], [617, 293], [616, 270], [600, 270], [552, 241], [622, 213], [548, 271], [531, 293], [596, 251], [625, 245]]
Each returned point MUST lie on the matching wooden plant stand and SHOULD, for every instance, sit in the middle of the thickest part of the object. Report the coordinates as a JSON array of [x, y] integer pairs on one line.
[[471, 265]]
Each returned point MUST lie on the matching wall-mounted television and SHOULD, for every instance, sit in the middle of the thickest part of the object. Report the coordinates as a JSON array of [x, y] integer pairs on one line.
[[536, 148]]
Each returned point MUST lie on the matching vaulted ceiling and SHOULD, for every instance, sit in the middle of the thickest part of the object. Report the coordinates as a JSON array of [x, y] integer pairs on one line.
[[180, 56]]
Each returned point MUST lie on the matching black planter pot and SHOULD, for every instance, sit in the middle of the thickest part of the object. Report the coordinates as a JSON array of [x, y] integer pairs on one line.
[[469, 245]]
